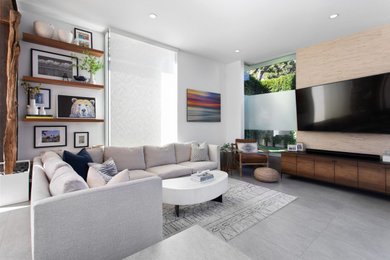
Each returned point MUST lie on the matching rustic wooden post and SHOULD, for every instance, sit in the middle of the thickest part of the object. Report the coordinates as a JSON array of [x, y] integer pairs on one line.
[[10, 137]]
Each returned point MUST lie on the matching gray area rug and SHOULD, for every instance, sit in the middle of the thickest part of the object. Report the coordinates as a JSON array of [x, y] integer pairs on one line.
[[244, 205]]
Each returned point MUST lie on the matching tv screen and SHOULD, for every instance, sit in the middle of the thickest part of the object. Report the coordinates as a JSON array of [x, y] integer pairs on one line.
[[359, 105]]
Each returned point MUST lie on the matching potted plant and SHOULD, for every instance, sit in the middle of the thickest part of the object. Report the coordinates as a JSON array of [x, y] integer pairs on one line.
[[31, 92], [90, 64]]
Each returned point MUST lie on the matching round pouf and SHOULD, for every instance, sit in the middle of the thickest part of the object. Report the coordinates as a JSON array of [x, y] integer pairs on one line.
[[265, 174]]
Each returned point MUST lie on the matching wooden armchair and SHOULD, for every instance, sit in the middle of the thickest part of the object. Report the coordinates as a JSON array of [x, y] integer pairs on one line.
[[250, 158]]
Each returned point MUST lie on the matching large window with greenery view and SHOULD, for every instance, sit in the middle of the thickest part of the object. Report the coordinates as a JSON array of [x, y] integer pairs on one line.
[[270, 113]]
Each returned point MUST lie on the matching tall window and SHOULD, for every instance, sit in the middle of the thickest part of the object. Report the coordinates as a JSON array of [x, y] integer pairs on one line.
[[142, 93], [270, 109]]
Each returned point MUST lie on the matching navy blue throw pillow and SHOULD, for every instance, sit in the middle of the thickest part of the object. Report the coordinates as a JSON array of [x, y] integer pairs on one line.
[[79, 162]]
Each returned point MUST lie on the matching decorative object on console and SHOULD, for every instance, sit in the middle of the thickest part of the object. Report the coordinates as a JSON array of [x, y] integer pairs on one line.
[[386, 157], [49, 136], [43, 29], [91, 64], [292, 147], [52, 65], [300, 147], [65, 36], [76, 107], [42, 111], [83, 38], [203, 106], [79, 161], [81, 139]]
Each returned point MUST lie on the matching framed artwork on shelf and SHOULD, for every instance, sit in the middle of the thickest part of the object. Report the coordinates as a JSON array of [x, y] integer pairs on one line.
[[76, 107], [292, 147], [50, 136], [83, 38], [203, 106], [81, 139], [42, 99], [52, 65]]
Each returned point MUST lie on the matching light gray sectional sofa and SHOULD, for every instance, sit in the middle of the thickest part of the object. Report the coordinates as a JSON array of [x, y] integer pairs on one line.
[[109, 222]]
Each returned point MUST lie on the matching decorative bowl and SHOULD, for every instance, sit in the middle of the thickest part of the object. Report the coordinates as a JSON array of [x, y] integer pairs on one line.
[[43, 29], [65, 36]]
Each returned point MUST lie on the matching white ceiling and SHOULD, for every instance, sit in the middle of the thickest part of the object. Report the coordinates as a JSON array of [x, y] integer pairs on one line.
[[261, 29]]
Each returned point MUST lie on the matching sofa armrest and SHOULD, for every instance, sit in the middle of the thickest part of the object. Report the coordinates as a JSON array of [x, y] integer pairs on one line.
[[109, 222], [40, 183], [215, 154]]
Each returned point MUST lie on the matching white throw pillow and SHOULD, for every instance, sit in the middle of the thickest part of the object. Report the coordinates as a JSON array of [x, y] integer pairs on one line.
[[94, 179], [199, 152], [247, 147], [51, 164], [107, 169]]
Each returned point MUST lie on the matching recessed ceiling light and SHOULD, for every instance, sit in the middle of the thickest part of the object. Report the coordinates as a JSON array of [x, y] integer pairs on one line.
[[152, 16], [237, 51], [333, 16]]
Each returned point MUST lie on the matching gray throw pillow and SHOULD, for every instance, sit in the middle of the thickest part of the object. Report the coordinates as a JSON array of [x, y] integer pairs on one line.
[[199, 152], [107, 169]]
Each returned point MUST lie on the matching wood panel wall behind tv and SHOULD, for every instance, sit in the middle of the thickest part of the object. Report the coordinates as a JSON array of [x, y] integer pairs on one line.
[[358, 55]]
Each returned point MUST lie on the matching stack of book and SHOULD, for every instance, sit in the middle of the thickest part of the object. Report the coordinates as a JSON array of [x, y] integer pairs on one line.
[[202, 176], [40, 116]]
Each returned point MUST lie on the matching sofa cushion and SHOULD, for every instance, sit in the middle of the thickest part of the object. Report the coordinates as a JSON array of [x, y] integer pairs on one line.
[[199, 152], [96, 154], [131, 158], [170, 171], [52, 164], [94, 179], [66, 180], [140, 174], [200, 166], [183, 152], [107, 169], [49, 154], [159, 155], [79, 161]]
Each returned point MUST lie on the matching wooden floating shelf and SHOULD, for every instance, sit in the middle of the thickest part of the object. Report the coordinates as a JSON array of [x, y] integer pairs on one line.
[[62, 82], [93, 120], [60, 45]]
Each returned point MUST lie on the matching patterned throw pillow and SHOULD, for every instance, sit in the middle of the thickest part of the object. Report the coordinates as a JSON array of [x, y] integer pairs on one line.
[[199, 152], [247, 147], [107, 170]]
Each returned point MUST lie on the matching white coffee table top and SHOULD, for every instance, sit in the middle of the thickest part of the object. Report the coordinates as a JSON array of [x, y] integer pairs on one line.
[[184, 191]]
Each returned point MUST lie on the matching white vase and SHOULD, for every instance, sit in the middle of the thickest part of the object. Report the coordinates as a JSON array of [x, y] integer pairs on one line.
[[65, 36], [91, 78], [42, 111], [32, 109], [44, 29]]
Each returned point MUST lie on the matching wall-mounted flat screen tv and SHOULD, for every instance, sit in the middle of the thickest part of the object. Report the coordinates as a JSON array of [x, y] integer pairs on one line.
[[359, 105]]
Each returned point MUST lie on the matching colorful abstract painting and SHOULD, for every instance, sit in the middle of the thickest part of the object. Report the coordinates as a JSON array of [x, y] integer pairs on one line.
[[203, 106]]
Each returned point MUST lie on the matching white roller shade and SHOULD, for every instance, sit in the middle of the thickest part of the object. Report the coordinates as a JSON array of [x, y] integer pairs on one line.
[[272, 111], [143, 93]]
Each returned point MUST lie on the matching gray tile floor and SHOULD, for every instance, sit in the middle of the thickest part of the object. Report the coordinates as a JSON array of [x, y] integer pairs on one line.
[[325, 222]]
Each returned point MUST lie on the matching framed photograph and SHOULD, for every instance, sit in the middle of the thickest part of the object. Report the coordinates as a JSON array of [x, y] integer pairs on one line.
[[300, 147], [76, 107], [292, 147], [83, 38], [42, 99], [81, 139], [49, 136], [203, 106], [52, 65]]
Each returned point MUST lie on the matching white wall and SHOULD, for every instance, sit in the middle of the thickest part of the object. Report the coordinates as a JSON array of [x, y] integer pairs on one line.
[[199, 73], [26, 129], [233, 112]]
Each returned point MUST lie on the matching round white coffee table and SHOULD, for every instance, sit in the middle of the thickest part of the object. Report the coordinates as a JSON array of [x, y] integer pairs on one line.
[[184, 191]]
